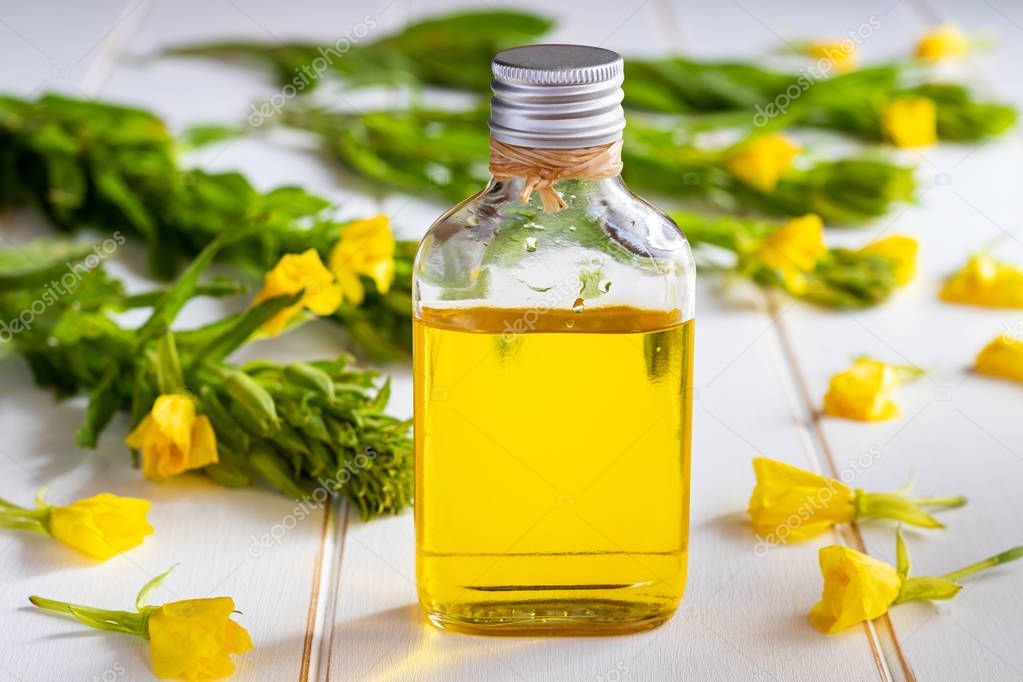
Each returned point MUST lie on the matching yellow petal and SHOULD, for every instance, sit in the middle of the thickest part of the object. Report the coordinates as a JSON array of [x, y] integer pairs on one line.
[[195, 638], [366, 247], [941, 43], [863, 392], [1002, 358], [901, 251], [910, 122], [789, 503], [762, 161], [985, 282], [841, 53], [101, 526], [294, 273], [857, 588], [173, 438]]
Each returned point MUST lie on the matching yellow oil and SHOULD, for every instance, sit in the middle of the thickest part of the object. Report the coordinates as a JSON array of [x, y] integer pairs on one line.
[[552, 468]]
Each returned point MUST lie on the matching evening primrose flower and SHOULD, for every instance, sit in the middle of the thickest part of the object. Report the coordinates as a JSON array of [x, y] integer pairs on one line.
[[789, 503], [101, 526], [366, 248], [173, 438], [841, 53], [793, 250], [986, 282], [910, 122], [763, 160], [864, 391], [901, 251], [301, 273], [858, 588], [1002, 358], [941, 43], [193, 639]]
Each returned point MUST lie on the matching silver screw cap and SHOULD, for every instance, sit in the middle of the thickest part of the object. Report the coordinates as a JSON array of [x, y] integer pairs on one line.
[[557, 96]]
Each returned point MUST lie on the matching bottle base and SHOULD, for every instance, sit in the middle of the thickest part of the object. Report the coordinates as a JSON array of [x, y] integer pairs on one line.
[[551, 618]]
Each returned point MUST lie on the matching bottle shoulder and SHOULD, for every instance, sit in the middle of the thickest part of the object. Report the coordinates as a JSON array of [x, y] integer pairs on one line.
[[607, 247]]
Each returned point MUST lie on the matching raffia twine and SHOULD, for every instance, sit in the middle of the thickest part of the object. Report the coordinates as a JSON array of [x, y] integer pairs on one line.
[[542, 168]]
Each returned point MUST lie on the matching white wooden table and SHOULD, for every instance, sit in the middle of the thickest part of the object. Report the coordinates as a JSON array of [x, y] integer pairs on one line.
[[336, 598]]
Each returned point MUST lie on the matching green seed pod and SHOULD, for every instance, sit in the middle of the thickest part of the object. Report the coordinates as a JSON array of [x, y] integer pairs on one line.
[[275, 470], [252, 399], [309, 377], [227, 428]]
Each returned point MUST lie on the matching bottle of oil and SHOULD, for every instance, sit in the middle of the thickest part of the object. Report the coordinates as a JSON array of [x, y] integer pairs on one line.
[[553, 366]]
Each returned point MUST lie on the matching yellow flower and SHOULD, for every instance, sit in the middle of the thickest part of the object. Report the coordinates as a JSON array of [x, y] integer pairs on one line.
[[101, 526], [910, 122], [195, 638], [984, 281], [793, 504], [841, 53], [192, 639], [793, 250], [294, 273], [173, 438], [1003, 358], [366, 248], [941, 43], [856, 588], [762, 161], [901, 251], [863, 392]]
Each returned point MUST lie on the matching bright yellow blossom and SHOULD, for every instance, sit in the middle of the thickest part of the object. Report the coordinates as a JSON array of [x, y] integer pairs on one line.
[[857, 588], [294, 273], [910, 122], [792, 504], [1003, 358], [366, 248], [195, 638], [901, 251], [101, 526], [192, 639], [793, 250], [841, 53], [941, 43], [762, 161], [173, 438], [863, 392], [984, 281]]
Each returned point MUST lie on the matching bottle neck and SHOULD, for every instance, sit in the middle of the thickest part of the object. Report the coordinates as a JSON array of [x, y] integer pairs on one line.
[[541, 170]]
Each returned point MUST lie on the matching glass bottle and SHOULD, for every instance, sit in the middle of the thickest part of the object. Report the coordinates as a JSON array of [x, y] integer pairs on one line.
[[553, 370]]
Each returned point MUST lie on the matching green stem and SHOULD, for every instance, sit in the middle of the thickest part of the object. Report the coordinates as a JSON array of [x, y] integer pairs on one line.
[[949, 501], [101, 619], [1003, 558], [24, 519]]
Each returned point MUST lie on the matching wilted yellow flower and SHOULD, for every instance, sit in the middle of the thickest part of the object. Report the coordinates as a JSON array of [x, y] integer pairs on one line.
[[1003, 358], [857, 588], [294, 273], [195, 638], [841, 53], [984, 281], [793, 250], [910, 122], [901, 251], [173, 438], [101, 526], [941, 43], [366, 248], [192, 639], [762, 161], [863, 392], [792, 504]]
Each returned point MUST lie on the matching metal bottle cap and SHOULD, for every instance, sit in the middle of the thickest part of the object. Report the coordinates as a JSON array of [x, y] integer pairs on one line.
[[557, 96]]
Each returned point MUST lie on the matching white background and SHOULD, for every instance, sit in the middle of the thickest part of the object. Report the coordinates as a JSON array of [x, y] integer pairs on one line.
[[336, 599]]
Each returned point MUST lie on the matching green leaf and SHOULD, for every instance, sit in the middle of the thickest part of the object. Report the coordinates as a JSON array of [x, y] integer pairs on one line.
[[927, 588], [902, 564], [140, 599]]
